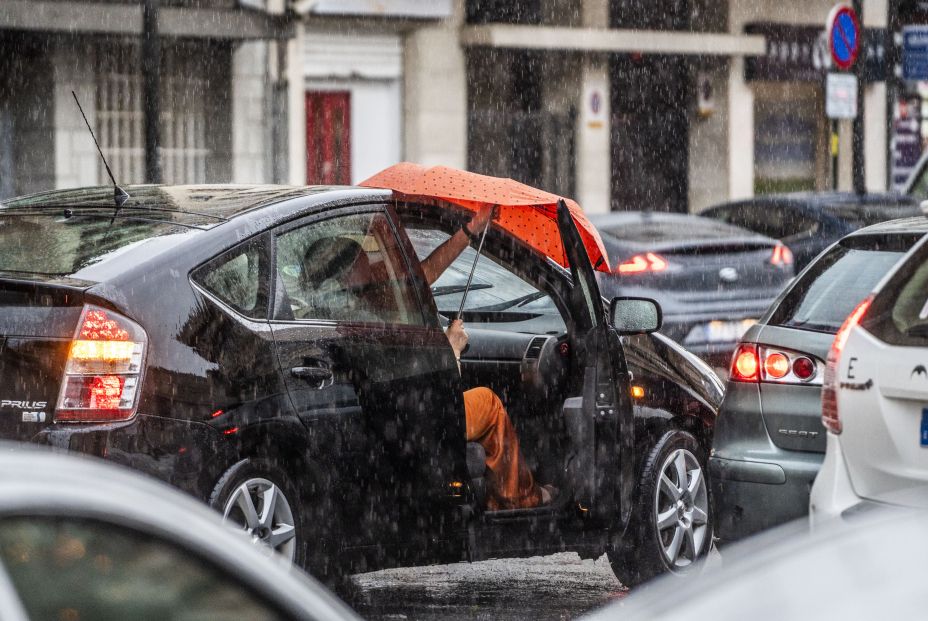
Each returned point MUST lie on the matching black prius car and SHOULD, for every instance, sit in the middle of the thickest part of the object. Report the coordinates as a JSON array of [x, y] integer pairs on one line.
[[276, 352]]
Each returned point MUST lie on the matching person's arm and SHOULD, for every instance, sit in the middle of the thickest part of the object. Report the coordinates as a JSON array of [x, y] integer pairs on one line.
[[443, 256]]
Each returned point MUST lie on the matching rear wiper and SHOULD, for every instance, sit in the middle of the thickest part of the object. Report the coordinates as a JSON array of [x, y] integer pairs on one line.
[[449, 289], [919, 330]]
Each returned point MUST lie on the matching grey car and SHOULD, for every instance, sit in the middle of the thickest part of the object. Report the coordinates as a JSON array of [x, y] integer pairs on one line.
[[86, 540], [769, 441], [712, 279]]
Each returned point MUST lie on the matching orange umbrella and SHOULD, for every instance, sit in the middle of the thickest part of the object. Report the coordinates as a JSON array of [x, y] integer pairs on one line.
[[527, 213]]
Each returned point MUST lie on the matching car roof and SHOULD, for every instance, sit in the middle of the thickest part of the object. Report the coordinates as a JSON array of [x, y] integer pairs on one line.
[[918, 225], [34, 481], [200, 206], [837, 572], [654, 226], [828, 199]]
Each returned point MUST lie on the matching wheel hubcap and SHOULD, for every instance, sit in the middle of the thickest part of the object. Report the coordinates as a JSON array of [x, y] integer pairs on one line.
[[261, 509], [681, 509]]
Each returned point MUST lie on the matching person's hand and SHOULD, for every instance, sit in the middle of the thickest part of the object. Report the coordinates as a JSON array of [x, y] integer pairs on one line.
[[457, 336], [480, 219]]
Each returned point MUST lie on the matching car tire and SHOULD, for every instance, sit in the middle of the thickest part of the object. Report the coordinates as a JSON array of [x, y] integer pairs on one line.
[[670, 530], [259, 498]]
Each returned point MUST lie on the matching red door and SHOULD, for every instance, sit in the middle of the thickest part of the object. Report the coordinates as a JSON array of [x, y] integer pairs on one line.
[[328, 138]]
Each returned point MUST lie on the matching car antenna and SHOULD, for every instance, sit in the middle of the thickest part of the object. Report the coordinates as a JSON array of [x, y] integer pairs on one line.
[[120, 196]]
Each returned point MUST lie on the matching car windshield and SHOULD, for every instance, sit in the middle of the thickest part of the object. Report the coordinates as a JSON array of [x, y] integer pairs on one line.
[[494, 288], [62, 245], [827, 293]]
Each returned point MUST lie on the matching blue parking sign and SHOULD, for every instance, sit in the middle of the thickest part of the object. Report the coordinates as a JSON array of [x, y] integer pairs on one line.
[[915, 53]]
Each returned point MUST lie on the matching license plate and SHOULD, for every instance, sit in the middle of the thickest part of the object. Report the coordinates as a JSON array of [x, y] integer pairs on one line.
[[924, 431], [719, 331]]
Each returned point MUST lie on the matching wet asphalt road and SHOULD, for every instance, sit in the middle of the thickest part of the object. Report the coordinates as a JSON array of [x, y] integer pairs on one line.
[[555, 587]]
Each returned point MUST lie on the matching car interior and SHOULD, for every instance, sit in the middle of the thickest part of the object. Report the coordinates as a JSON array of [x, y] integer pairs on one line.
[[518, 346]]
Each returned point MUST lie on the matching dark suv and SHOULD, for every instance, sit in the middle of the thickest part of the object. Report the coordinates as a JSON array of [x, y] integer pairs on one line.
[[181, 335]]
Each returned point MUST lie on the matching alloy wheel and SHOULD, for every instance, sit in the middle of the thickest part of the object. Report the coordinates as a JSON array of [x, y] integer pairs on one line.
[[262, 510], [681, 509]]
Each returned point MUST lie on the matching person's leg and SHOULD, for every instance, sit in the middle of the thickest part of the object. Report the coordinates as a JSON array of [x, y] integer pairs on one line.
[[511, 483]]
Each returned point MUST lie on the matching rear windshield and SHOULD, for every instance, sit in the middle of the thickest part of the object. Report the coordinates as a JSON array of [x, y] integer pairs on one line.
[[899, 314], [57, 245], [827, 293], [867, 215], [670, 230]]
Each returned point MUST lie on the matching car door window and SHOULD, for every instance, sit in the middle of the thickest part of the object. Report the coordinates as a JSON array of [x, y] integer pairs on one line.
[[347, 268], [497, 295], [67, 568], [238, 278]]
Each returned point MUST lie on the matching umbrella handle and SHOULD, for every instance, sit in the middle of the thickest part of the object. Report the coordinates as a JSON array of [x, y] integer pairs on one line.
[[473, 268]]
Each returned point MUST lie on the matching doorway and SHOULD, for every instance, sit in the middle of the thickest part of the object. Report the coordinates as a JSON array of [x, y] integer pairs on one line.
[[328, 138]]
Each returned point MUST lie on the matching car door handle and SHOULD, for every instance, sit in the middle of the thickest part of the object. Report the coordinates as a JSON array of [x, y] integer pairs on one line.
[[314, 374]]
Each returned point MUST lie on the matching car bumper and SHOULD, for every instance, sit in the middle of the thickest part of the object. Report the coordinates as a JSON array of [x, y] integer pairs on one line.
[[755, 483], [181, 453], [750, 496]]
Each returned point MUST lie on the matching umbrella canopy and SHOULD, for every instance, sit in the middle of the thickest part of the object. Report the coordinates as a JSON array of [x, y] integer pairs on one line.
[[526, 213]]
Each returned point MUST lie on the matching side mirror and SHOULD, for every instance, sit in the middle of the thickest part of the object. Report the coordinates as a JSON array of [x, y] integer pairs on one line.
[[635, 315]]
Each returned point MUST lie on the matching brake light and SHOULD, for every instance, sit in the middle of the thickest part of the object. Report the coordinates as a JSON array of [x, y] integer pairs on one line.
[[781, 256], [776, 365], [103, 370], [647, 262], [745, 366], [830, 416], [761, 363]]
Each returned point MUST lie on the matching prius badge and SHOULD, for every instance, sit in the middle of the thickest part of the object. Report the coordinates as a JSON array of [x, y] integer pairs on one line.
[[32, 411]]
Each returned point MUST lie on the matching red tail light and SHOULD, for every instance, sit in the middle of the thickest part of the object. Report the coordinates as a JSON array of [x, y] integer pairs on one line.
[[102, 374], [745, 365], [830, 417], [782, 256], [647, 262], [762, 363]]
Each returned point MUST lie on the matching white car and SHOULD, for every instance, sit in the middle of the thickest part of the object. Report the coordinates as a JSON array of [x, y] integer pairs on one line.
[[875, 399]]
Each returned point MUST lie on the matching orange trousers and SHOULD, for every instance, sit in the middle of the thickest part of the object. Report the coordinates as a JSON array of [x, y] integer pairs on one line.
[[510, 483]]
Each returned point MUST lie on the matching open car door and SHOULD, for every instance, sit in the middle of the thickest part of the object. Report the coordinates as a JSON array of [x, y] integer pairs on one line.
[[601, 462]]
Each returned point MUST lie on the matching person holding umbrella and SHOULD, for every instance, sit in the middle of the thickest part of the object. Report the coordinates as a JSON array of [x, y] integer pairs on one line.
[[511, 484], [529, 215]]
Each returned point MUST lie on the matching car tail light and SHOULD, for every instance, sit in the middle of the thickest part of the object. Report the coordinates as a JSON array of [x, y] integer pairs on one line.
[[103, 370], [775, 365], [781, 256], [647, 262], [745, 366], [830, 416]]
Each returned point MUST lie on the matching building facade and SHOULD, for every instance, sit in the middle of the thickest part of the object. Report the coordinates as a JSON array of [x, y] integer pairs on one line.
[[217, 83], [663, 104]]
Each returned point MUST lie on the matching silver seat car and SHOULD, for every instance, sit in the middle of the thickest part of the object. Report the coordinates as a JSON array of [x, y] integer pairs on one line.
[[769, 441]]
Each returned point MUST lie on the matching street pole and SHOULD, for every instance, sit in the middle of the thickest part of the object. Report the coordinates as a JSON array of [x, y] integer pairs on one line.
[[151, 89], [892, 84], [857, 142]]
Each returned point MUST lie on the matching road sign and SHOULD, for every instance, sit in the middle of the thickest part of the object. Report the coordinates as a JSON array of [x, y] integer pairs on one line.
[[843, 36], [915, 53], [841, 96]]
